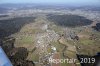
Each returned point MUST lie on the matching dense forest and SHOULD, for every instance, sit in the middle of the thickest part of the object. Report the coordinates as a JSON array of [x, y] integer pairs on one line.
[[10, 26], [69, 20]]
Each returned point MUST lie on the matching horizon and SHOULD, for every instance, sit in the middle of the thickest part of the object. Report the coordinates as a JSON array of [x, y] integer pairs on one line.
[[45, 2]]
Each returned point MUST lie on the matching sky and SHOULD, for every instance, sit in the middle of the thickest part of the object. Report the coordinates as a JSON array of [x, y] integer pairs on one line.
[[92, 2]]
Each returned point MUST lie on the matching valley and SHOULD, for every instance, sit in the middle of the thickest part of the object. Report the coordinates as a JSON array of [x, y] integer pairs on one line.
[[50, 33]]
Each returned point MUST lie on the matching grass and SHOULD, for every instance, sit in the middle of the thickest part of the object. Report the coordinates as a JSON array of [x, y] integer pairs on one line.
[[70, 42], [66, 63], [86, 41], [49, 50], [70, 54], [33, 57], [58, 46], [57, 29], [26, 40]]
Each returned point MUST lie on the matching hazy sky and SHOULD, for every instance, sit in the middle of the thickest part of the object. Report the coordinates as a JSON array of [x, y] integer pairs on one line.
[[92, 2]]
